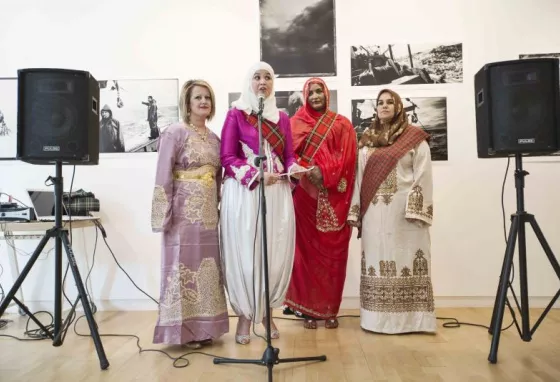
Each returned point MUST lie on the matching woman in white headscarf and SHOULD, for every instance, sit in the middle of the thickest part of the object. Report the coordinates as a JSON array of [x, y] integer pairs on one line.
[[240, 223]]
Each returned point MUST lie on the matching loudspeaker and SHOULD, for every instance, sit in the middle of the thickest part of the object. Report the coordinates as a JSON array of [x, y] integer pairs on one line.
[[518, 108], [58, 117]]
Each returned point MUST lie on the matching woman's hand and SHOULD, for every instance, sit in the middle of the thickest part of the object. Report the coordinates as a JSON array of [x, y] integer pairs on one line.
[[295, 168], [353, 223], [315, 176], [418, 222], [270, 178]]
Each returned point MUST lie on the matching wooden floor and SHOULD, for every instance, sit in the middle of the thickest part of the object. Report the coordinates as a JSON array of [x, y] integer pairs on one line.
[[352, 355]]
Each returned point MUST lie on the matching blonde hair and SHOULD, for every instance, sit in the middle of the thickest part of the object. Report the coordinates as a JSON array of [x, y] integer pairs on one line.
[[185, 98]]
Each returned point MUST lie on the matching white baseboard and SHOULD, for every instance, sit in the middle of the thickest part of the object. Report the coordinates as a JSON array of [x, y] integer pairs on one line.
[[348, 302]]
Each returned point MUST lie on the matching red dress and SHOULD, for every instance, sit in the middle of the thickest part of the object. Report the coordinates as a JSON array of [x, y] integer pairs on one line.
[[326, 140]]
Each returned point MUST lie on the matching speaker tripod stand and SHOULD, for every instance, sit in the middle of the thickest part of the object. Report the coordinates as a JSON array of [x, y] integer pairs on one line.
[[517, 231], [270, 355], [61, 239]]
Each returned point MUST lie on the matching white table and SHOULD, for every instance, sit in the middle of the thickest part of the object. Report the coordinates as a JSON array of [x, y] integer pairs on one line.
[[11, 231]]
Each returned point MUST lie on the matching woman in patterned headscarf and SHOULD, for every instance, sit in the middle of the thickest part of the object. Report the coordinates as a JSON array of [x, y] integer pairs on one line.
[[392, 207]]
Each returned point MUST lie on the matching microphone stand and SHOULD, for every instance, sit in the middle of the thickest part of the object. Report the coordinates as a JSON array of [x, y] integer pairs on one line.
[[270, 355]]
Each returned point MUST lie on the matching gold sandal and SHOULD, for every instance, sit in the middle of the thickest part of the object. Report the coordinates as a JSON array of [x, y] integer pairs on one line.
[[331, 323], [309, 323]]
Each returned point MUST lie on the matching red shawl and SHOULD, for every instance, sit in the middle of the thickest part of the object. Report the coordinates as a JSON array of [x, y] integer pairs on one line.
[[271, 133], [382, 161], [327, 140]]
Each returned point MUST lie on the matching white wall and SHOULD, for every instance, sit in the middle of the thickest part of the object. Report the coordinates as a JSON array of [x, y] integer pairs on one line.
[[218, 40]]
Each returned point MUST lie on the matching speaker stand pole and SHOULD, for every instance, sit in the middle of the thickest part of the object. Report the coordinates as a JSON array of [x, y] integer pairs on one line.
[[270, 355], [60, 234], [517, 230]]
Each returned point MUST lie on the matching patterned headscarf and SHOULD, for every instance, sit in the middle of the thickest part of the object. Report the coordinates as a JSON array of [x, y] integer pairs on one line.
[[378, 135]]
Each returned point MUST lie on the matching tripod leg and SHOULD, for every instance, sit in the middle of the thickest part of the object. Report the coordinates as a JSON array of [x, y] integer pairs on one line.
[[85, 302], [523, 287], [491, 329], [502, 290], [57, 316], [10, 296], [553, 261], [545, 246]]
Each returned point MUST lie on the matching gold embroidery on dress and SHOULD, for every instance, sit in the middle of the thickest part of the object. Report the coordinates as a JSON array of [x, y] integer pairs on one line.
[[202, 152], [387, 189], [201, 204], [396, 294], [387, 268], [342, 185], [326, 217], [193, 293], [363, 263], [420, 265], [159, 206], [405, 272], [371, 271], [430, 211], [415, 205], [407, 293]]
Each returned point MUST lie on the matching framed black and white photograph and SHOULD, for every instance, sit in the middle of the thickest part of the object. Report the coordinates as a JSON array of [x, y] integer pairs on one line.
[[133, 113], [406, 64], [298, 37], [428, 113], [8, 118], [290, 101]]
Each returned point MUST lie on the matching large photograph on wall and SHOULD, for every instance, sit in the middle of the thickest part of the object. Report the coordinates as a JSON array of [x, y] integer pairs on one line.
[[406, 64], [428, 113], [8, 118], [290, 101], [298, 37], [133, 113]]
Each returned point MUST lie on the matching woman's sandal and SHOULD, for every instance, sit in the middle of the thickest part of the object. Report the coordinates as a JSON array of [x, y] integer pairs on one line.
[[274, 333], [309, 323], [331, 323], [193, 345], [242, 339]]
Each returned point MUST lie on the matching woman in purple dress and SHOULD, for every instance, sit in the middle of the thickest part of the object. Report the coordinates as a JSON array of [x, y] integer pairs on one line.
[[240, 225], [192, 307]]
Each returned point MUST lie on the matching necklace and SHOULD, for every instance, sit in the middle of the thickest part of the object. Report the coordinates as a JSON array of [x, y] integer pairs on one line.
[[202, 136]]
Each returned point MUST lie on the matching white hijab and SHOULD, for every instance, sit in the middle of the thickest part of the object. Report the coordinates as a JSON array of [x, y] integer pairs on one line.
[[248, 101]]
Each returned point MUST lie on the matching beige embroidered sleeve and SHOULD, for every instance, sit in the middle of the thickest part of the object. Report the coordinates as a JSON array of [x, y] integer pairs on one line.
[[162, 198], [354, 213], [419, 204]]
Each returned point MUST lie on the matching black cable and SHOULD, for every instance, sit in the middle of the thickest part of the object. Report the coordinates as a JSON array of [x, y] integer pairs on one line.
[[33, 336]]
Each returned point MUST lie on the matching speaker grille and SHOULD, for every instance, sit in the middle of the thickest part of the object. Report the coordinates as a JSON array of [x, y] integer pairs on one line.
[[55, 119], [521, 107]]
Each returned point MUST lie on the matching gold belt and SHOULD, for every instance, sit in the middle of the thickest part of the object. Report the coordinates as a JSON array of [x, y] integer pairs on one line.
[[205, 174]]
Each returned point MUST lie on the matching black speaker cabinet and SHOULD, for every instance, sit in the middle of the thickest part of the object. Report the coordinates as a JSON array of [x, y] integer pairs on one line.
[[58, 117], [518, 108]]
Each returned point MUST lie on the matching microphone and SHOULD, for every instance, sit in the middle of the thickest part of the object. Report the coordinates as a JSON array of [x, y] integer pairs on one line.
[[261, 102]]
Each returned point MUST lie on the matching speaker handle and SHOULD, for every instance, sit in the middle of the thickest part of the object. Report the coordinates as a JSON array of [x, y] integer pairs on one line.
[[480, 98], [95, 105]]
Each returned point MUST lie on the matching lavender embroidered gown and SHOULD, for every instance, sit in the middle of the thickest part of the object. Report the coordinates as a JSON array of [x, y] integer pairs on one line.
[[240, 227], [185, 209]]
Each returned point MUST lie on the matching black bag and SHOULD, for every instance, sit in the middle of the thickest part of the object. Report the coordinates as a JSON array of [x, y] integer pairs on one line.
[[80, 204]]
